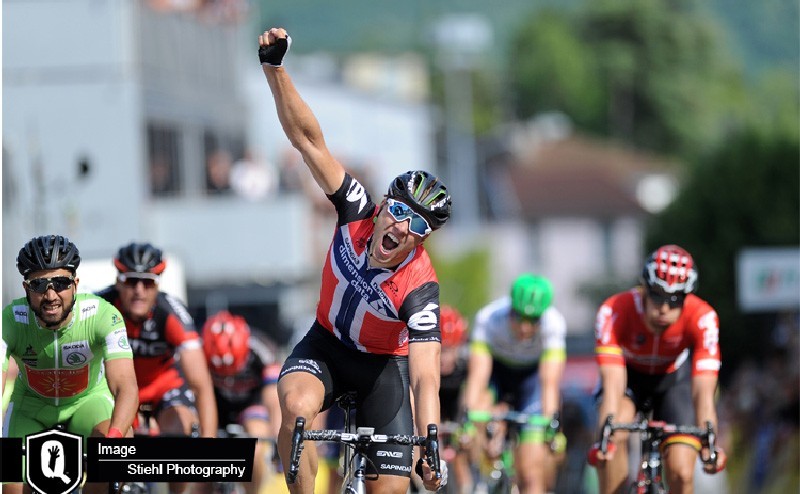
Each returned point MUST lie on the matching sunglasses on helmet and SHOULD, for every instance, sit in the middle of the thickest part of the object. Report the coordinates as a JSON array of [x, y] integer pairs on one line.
[[673, 300], [57, 283], [132, 279], [401, 211]]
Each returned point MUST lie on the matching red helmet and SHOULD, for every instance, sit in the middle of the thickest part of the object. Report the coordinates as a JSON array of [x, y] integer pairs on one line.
[[225, 343], [670, 268], [454, 326]]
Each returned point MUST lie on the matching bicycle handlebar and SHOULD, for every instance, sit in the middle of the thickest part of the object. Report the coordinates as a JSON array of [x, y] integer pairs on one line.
[[364, 436], [705, 434]]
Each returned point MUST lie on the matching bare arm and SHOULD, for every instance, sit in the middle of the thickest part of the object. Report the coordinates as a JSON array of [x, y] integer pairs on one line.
[[195, 369], [703, 388], [299, 123], [613, 379], [423, 365], [121, 379], [478, 373], [550, 372]]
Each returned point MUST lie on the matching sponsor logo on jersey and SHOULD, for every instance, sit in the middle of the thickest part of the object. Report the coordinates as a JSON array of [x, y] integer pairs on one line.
[[89, 308], [356, 193], [21, 314], [400, 468], [180, 311], [58, 383], [76, 353], [390, 454], [116, 319], [117, 341]]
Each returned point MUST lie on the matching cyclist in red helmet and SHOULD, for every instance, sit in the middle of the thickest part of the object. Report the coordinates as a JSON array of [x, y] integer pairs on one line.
[[377, 323], [245, 376], [657, 346]]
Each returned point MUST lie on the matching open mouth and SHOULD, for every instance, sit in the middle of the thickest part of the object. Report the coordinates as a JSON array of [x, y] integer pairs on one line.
[[389, 242]]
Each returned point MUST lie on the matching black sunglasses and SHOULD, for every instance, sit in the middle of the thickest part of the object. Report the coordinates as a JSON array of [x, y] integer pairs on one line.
[[673, 300], [148, 280], [57, 283], [524, 318]]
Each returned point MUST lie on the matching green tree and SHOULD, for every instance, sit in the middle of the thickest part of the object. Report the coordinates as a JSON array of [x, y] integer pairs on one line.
[[745, 194], [654, 74]]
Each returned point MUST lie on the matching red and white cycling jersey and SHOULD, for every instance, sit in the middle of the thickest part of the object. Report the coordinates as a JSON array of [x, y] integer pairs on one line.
[[168, 329], [621, 336], [374, 310]]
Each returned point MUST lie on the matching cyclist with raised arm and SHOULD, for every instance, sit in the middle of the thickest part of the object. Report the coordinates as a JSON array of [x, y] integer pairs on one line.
[[657, 347], [517, 358], [75, 363], [167, 351], [377, 323], [245, 376]]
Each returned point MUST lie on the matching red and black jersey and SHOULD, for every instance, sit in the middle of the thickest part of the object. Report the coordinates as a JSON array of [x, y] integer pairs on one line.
[[155, 342], [623, 339], [374, 310]]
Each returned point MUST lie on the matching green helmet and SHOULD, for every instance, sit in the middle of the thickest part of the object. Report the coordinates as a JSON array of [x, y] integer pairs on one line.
[[531, 295]]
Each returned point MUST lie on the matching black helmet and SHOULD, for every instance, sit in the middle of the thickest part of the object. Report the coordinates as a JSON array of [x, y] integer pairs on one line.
[[48, 252], [425, 194], [139, 258]]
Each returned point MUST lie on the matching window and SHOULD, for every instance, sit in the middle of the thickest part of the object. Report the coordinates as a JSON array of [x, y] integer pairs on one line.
[[164, 155]]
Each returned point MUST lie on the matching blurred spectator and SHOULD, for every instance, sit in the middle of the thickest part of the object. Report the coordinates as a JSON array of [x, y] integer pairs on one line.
[[252, 178], [162, 181], [218, 173], [760, 415]]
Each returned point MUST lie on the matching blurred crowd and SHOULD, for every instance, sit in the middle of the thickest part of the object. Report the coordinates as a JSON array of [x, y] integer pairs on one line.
[[760, 417]]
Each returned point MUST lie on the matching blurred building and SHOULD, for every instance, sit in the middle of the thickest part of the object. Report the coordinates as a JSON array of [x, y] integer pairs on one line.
[[121, 120]]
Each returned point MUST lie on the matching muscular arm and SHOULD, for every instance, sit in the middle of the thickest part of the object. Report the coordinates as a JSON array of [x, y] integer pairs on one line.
[[300, 125], [703, 388], [478, 373], [550, 372], [195, 369], [423, 364], [122, 383], [613, 379]]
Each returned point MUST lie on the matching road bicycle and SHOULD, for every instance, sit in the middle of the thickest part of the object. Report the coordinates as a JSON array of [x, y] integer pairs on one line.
[[497, 475], [355, 446], [649, 478]]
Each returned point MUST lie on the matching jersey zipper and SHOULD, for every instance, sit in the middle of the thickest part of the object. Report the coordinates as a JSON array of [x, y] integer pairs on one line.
[[55, 363]]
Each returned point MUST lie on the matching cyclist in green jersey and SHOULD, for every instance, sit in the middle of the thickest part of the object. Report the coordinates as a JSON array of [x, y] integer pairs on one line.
[[75, 363]]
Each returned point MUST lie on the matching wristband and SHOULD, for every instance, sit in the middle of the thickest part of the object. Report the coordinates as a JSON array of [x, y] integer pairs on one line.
[[273, 54], [114, 433]]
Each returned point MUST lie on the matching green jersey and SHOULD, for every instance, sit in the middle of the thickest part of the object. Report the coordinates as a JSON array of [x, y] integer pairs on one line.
[[59, 367]]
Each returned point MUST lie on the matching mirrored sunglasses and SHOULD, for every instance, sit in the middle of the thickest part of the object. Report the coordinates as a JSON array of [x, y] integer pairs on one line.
[[401, 211], [673, 300], [133, 279], [57, 283]]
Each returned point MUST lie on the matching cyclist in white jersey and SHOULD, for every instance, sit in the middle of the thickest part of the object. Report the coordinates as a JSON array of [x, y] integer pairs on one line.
[[517, 356]]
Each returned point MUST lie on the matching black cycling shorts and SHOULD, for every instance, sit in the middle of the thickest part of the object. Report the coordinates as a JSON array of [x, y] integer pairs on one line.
[[381, 385], [667, 396]]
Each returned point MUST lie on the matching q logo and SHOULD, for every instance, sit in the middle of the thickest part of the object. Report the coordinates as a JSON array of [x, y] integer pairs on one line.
[[54, 461]]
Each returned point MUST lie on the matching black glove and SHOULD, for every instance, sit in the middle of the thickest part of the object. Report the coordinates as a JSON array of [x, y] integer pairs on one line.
[[273, 54]]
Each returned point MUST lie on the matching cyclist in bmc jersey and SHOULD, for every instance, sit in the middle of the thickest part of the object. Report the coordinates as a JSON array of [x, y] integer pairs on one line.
[[174, 382], [657, 346], [376, 330], [245, 377], [518, 352], [74, 359]]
